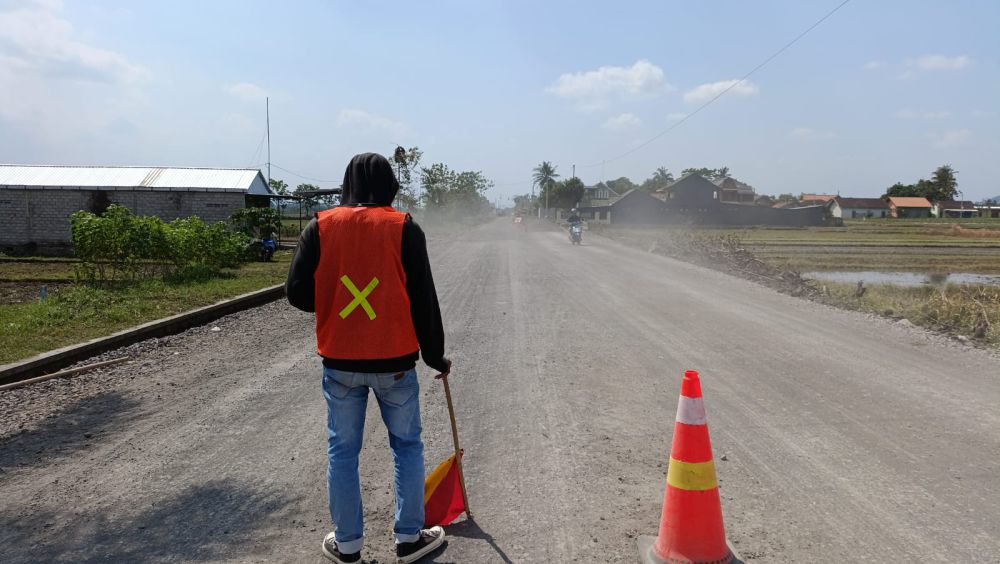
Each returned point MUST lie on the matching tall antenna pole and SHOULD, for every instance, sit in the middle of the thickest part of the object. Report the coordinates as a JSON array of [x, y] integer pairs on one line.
[[267, 108]]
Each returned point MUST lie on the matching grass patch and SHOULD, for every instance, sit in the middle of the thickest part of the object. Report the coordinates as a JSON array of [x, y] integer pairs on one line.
[[82, 312], [971, 311], [879, 260], [37, 270]]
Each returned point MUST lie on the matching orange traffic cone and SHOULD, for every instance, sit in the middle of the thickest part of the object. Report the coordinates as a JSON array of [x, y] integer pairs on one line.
[[691, 529]]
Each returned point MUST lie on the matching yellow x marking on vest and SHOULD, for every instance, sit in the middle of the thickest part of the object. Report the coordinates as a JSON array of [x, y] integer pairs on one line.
[[360, 297]]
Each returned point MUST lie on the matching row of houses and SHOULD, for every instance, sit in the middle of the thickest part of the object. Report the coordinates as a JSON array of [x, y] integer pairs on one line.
[[694, 200], [901, 207]]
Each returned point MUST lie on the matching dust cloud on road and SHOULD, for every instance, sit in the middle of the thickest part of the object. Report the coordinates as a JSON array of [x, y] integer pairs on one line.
[[844, 437]]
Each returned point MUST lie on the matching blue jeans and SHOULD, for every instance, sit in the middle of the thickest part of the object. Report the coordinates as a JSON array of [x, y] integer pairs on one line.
[[398, 396]]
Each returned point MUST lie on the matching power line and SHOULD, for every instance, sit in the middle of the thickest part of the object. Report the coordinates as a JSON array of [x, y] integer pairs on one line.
[[302, 176], [721, 94], [260, 145]]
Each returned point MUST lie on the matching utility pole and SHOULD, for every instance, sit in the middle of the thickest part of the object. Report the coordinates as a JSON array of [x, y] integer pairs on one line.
[[574, 171], [532, 202], [267, 109]]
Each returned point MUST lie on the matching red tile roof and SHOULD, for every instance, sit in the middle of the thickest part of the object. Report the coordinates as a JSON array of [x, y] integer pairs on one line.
[[901, 202]]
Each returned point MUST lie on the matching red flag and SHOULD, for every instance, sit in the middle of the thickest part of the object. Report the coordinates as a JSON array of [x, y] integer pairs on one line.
[[443, 501]]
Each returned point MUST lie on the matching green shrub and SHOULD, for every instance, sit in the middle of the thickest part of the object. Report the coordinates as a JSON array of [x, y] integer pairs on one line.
[[258, 223], [121, 246]]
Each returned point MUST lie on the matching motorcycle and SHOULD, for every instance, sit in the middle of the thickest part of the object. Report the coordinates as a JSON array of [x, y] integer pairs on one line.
[[267, 248], [576, 233]]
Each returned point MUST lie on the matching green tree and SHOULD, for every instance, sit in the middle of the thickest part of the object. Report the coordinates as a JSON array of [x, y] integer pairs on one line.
[[457, 193], [662, 177], [279, 187], [621, 185], [945, 184], [545, 176], [902, 190], [436, 181], [468, 192], [709, 173], [568, 193], [258, 223], [407, 163], [308, 202]]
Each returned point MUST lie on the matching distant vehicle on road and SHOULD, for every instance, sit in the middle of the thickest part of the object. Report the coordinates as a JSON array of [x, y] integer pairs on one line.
[[576, 233]]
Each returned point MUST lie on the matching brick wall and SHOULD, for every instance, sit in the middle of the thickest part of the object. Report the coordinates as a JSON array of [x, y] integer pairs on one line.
[[41, 217]]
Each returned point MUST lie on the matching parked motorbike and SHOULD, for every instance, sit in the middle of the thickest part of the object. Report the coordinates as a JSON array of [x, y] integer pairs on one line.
[[267, 248], [576, 233]]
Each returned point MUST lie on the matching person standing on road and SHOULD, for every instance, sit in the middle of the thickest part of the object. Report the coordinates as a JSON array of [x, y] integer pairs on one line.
[[362, 267]]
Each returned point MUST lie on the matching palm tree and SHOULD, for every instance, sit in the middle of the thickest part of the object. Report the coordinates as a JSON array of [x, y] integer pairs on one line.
[[545, 175], [662, 176]]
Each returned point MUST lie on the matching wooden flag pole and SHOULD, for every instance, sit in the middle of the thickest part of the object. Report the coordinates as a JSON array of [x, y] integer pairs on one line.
[[458, 450]]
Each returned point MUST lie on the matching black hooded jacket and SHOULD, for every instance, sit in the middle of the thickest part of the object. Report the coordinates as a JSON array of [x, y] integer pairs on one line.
[[369, 181]]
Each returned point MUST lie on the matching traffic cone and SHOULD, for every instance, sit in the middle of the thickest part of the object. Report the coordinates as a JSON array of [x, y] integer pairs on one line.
[[691, 530]]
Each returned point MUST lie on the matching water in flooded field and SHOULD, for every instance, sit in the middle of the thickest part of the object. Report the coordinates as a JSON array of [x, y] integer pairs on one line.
[[904, 278]]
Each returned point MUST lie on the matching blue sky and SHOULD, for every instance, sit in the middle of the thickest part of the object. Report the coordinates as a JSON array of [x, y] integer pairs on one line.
[[883, 91]]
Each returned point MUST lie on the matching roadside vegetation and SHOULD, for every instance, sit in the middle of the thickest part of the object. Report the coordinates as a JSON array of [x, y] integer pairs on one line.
[[969, 312], [74, 313], [130, 270]]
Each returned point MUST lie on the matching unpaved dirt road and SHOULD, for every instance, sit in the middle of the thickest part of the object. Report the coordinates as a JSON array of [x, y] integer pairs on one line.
[[845, 438]]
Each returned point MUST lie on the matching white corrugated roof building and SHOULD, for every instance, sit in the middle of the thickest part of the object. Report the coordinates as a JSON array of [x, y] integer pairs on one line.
[[157, 179]]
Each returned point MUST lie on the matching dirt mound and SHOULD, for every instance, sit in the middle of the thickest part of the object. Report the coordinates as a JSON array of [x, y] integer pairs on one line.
[[959, 231], [720, 252]]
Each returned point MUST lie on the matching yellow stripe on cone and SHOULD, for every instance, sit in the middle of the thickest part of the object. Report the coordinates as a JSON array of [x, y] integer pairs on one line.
[[691, 476]]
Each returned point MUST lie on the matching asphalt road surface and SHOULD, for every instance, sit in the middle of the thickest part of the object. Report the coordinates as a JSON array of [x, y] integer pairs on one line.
[[837, 436]]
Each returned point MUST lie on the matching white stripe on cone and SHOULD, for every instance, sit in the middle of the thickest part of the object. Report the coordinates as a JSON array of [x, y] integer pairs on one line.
[[691, 411]]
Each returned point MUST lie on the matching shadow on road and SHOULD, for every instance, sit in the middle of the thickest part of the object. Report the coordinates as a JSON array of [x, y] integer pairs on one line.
[[69, 431], [470, 529], [213, 521]]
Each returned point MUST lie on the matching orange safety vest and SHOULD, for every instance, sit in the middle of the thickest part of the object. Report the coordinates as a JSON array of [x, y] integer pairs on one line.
[[362, 308]]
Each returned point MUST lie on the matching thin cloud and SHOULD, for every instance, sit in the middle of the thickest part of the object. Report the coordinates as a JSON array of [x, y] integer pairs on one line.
[[370, 121], [622, 122], [246, 91], [941, 62], [60, 85], [706, 92], [953, 138], [872, 65], [908, 113], [810, 134], [983, 114], [240, 122], [36, 39], [595, 89]]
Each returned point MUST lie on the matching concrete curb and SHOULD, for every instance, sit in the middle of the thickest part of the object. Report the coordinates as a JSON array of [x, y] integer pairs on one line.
[[60, 358]]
